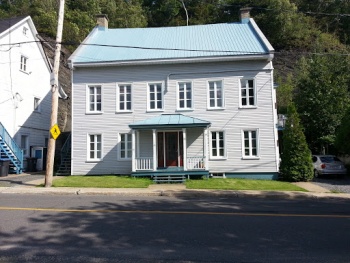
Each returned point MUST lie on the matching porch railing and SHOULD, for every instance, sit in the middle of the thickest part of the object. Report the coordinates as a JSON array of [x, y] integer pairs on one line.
[[144, 163], [196, 163], [193, 163]]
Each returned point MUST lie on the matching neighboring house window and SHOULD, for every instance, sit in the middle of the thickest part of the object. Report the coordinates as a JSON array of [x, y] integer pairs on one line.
[[216, 95], [23, 65], [25, 144], [185, 95], [250, 143], [155, 96], [217, 144], [25, 30], [124, 98], [95, 146], [248, 93], [37, 104], [94, 99], [125, 146]]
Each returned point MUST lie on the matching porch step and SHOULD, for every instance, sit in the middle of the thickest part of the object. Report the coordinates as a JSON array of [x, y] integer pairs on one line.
[[169, 178]]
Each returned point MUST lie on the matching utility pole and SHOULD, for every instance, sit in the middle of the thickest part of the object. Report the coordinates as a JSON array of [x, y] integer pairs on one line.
[[54, 104]]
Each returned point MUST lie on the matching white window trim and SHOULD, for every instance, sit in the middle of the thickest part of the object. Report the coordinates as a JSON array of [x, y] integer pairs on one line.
[[38, 109], [87, 103], [251, 157], [255, 94], [211, 148], [118, 97], [178, 97], [88, 148], [148, 96], [119, 147], [223, 95], [26, 64]]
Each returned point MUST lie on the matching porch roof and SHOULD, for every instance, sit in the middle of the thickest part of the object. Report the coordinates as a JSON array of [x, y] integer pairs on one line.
[[168, 121]]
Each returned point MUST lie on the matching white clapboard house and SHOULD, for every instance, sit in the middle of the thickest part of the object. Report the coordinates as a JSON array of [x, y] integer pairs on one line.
[[25, 97], [186, 101]]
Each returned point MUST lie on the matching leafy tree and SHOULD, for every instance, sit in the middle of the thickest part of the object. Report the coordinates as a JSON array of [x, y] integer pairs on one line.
[[322, 97], [296, 162], [342, 141]]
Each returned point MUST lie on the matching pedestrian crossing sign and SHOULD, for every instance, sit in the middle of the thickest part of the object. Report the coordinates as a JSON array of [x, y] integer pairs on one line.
[[55, 131]]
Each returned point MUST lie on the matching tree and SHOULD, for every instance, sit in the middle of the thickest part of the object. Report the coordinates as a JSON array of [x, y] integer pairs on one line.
[[322, 98], [296, 162], [342, 141]]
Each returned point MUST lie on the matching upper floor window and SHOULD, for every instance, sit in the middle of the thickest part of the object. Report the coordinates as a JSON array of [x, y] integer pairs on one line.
[[36, 104], [250, 144], [23, 65], [124, 98], [125, 146], [184, 95], [217, 143], [216, 95], [94, 146], [94, 103], [248, 93], [155, 96]]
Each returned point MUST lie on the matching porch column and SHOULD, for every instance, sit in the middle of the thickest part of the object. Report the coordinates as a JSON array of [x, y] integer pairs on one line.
[[205, 148], [133, 152], [154, 133], [184, 143]]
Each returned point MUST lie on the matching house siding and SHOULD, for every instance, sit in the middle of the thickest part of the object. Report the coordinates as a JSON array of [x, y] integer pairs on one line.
[[18, 115], [232, 119]]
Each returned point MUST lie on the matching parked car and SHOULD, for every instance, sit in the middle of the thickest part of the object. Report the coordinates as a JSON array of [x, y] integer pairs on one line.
[[328, 165]]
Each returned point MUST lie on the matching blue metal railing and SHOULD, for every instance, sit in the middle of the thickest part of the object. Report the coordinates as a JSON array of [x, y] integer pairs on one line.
[[11, 144]]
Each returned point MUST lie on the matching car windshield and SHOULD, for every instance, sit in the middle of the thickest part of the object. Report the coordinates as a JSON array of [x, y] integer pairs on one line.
[[329, 159]]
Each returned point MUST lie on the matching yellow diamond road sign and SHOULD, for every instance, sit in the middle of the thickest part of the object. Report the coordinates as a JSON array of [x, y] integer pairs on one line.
[[55, 131]]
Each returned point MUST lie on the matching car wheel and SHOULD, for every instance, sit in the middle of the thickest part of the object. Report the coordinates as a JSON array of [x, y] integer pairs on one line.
[[316, 174]]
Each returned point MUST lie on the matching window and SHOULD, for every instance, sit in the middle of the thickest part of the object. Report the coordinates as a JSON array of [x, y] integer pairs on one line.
[[95, 146], [25, 144], [94, 99], [155, 96], [25, 30], [250, 144], [23, 65], [37, 104], [217, 144], [125, 146], [184, 95], [124, 98], [216, 95], [248, 94]]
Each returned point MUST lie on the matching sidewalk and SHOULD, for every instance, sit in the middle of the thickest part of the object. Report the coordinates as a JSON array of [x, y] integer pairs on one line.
[[174, 190]]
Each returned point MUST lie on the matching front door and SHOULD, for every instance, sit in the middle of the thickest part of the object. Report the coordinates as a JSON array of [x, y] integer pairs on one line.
[[170, 149]]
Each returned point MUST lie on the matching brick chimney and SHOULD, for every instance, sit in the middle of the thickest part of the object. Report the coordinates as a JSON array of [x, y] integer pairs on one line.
[[102, 20], [245, 14]]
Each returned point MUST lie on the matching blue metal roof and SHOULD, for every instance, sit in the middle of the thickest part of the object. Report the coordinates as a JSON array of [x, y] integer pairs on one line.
[[133, 44], [169, 121]]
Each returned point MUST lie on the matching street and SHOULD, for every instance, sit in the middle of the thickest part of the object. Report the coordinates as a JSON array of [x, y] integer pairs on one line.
[[76, 228]]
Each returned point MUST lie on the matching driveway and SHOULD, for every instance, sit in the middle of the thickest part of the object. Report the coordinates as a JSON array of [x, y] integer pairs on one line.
[[334, 184], [13, 180]]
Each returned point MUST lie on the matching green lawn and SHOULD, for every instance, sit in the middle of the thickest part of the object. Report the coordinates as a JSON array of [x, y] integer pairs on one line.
[[103, 181], [113, 181], [242, 184]]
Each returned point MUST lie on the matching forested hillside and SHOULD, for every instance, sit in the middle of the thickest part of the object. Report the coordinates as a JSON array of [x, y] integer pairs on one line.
[[311, 39]]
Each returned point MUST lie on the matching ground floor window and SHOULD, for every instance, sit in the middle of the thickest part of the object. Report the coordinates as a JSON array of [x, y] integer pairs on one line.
[[250, 143], [217, 144], [125, 146], [95, 146], [25, 144]]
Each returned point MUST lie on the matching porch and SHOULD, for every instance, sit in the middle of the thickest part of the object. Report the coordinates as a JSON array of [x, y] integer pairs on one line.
[[170, 145]]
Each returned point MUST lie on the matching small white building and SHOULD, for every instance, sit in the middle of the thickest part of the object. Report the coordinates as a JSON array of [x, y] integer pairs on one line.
[[25, 97], [179, 101]]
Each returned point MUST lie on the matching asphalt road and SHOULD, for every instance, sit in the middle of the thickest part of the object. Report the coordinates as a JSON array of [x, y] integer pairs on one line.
[[168, 229]]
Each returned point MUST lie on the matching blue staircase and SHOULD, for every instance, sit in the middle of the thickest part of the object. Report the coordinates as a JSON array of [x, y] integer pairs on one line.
[[9, 150], [65, 165]]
